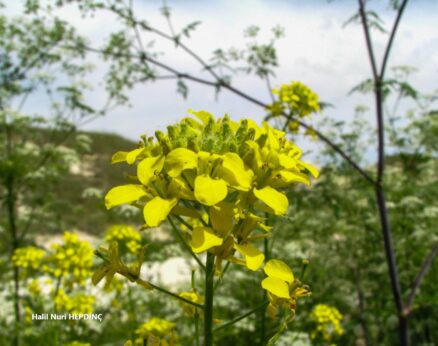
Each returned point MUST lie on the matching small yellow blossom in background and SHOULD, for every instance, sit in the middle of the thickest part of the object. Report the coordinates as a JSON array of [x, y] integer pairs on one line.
[[193, 297], [283, 288], [28, 315], [328, 322], [34, 288], [298, 98], [78, 343], [78, 303], [124, 234], [28, 257], [157, 332], [297, 101], [234, 171], [71, 260]]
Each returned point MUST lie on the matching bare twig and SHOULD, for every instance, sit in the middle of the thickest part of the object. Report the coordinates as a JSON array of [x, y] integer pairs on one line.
[[391, 38], [419, 279], [380, 192]]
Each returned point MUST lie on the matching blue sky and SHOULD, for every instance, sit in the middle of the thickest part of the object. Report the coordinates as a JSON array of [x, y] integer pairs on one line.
[[317, 51]]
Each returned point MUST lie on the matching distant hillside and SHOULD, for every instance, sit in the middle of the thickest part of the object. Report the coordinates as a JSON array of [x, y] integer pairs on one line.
[[94, 171]]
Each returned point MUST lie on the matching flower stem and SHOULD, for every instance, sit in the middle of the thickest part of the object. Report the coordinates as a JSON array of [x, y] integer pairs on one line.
[[184, 244], [197, 328], [208, 304], [241, 317], [149, 285], [219, 279]]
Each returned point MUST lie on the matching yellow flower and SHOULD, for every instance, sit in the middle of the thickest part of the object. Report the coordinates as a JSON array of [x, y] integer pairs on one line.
[[190, 309], [236, 171], [283, 288], [28, 315], [34, 288], [328, 322], [72, 259], [296, 100], [28, 257], [126, 235], [78, 303], [157, 326]]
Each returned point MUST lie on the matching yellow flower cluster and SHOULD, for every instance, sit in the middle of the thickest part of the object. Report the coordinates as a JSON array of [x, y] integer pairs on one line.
[[72, 259], [193, 297], [328, 322], [28, 257], [124, 234], [155, 332], [34, 288], [76, 304], [295, 100], [283, 288], [156, 326], [78, 343], [234, 171], [28, 315]]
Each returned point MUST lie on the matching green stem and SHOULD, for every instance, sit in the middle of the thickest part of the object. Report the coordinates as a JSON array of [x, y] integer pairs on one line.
[[219, 279], [208, 305], [184, 244], [11, 201], [163, 290], [197, 327], [241, 317], [263, 312]]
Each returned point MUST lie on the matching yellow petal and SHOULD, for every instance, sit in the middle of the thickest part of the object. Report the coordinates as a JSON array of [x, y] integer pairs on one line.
[[277, 287], [273, 199], [271, 310], [132, 155], [222, 217], [184, 211], [302, 292], [253, 125], [280, 270], [120, 156], [179, 159], [253, 256], [156, 210], [272, 141], [287, 161], [210, 191], [234, 172], [148, 168], [312, 169], [202, 115], [123, 194], [203, 239], [283, 178]]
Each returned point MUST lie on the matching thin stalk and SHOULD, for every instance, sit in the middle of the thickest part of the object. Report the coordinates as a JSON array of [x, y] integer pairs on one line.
[[163, 290], [197, 327], [184, 244], [11, 210], [264, 295], [208, 305], [241, 317], [362, 318], [416, 284], [380, 192], [219, 279]]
